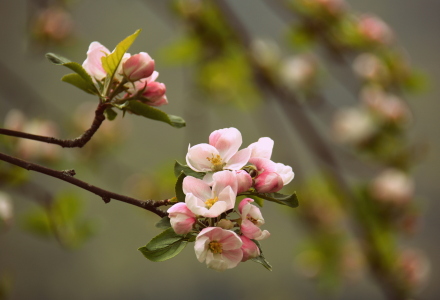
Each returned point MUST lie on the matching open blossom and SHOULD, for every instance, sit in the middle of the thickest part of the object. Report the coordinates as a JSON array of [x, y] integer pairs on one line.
[[207, 202], [271, 176], [181, 218], [220, 154], [251, 220], [221, 249], [93, 64]]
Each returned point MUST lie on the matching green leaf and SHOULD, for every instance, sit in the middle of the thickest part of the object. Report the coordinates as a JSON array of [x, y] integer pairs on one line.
[[261, 259], [79, 82], [164, 223], [147, 111], [110, 114], [111, 62], [179, 168], [289, 200], [180, 195], [78, 69], [164, 246]]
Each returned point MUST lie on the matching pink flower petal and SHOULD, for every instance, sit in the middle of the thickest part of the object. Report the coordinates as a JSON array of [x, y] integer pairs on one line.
[[262, 148], [227, 141], [198, 155], [197, 187], [223, 179], [239, 159]]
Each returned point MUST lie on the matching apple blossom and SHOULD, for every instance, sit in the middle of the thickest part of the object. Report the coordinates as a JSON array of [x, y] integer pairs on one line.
[[93, 64], [251, 220], [249, 248], [138, 66], [220, 154], [181, 218], [205, 202], [221, 249], [393, 186], [353, 125]]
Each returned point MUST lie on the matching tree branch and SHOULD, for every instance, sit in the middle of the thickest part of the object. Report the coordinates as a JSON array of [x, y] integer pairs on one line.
[[78, 142], [67, 176]]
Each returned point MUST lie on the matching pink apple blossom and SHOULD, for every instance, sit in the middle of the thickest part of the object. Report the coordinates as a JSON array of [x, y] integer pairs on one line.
[[220, 154], [138, 66], [207, 202], [181, 218], [221, 249], [251, 220], [249, 248], [93, 64], [262, 148]]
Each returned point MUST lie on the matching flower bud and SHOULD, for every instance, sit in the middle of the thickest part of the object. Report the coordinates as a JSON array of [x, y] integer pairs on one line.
[[225, 224], [393, 186], [268, 182], [249, 248], [244, 181], [181, 218], [138, 66], [374, 29]]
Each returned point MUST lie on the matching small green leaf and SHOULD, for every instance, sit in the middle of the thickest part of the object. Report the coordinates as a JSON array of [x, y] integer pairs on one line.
[[164, 246], [289, 200], [180, 195], [261, 259], [78, 69], [147, 111], [164, 223], [79, 82], [179, 168], [110, 114], [37, 222], [111, 62]]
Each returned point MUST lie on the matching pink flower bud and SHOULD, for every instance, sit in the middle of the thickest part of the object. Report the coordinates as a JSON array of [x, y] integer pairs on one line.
[[374, 29], [155, 94], [244, 181], [268, 182], [249, 248], [138, 66], [182, 219]]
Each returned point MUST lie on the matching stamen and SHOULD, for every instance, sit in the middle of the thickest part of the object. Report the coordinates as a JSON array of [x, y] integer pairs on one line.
[[215, 247], [217, 163], [255, 221], [210, 202]]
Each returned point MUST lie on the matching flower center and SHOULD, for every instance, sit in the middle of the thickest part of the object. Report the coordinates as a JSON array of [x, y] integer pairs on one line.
[[217, 163], [215, 247], [210, 202], [255, 221]]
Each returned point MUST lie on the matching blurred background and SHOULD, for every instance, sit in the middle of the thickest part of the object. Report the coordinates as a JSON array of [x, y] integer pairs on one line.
[[98, 259]]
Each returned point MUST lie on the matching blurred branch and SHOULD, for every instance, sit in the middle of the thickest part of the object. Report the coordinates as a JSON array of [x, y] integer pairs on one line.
[[73, 143], [67, 176]]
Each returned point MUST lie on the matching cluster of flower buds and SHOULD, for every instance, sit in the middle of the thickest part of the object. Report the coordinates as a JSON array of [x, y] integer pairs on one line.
[[136, 71], [227, 235]]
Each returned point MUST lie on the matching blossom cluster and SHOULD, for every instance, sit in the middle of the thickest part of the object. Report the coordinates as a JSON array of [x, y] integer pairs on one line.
[[136, 72], [226, 235]]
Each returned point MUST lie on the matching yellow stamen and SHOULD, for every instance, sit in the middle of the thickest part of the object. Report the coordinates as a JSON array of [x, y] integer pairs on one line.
[[217, 163], [215, 247], [210, 202]]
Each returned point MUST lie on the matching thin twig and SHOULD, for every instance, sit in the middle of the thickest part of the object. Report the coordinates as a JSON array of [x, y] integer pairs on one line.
[[149, 205], [78, 142]]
